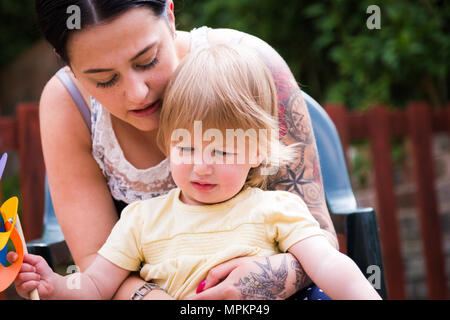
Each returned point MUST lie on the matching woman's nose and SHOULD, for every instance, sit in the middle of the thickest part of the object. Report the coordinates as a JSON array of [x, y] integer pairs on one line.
[[137, 89]]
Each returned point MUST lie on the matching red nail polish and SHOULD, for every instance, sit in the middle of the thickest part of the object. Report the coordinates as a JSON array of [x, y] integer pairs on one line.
[[201, 286]]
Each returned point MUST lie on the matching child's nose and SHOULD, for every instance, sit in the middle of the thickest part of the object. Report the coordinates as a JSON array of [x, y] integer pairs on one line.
[[202, 168]]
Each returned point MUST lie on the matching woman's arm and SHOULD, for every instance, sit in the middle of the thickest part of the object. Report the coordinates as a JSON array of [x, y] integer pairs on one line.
[[254, 278], [80, 195], [332, 271], [132, 283]]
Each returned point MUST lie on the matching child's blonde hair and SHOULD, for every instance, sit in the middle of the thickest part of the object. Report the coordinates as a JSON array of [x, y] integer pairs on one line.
[[226, 88]]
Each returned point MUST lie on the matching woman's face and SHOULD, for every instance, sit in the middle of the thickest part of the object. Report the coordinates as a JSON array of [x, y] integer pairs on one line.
[[126, 64]]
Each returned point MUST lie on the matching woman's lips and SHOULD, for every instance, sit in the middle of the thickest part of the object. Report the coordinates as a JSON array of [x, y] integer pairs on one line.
[[203, 186], [148, 110]]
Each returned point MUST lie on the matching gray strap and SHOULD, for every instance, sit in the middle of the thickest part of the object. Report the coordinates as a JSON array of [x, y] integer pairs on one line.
[[76, 96]]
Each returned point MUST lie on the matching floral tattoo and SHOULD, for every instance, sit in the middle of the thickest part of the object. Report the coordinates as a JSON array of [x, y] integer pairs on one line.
[[268, 285]]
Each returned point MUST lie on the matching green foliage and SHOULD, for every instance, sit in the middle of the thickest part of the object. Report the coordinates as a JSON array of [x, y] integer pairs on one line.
[[360, 164], [407, 59], [11, 186], [18, 28], [331, 52], [334, 55]]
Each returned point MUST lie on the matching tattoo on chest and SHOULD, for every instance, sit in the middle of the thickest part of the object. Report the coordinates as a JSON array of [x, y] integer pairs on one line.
[[269, 284]]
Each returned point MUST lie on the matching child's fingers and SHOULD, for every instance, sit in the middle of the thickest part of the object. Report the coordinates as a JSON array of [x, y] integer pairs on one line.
[[28, 276], [27, 286], [27, 268], [32, 259]]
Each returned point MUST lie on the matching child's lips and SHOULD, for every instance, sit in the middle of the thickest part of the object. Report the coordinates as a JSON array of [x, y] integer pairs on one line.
[[202, 186]]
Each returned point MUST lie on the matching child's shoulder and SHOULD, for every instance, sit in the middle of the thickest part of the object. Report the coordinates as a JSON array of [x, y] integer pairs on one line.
[[276, 195], [152, 204]]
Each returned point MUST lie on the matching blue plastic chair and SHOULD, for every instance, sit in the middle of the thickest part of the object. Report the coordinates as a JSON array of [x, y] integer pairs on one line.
[[51, 245], [358, 224]]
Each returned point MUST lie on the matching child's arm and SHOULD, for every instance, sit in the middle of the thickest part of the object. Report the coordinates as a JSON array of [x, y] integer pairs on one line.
[[99, 281], [335, 273]]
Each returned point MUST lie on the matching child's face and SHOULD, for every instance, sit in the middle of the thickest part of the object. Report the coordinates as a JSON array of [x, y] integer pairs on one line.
[[209, 173]]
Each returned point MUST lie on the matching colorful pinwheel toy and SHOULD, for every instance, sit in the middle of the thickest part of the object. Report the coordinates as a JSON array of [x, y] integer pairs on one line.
[[10, 230]]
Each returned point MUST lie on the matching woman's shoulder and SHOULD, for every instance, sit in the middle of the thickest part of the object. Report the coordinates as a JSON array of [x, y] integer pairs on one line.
[[58, 111], [220, 35], [264, 50], [55, 92], [227, 34]]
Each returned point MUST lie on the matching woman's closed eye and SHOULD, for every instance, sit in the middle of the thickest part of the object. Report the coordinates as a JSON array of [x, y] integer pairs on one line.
[[148, 65], [115, 78], [109, 83]]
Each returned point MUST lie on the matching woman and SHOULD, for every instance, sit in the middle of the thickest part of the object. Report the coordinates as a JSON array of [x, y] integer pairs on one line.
[[105, 156]]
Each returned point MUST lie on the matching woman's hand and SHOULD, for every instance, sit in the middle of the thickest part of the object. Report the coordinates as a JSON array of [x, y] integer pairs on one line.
[[253, 278]]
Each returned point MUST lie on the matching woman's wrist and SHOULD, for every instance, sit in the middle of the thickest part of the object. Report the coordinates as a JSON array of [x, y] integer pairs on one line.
[[128, 287], [150, 291], [133, 284]]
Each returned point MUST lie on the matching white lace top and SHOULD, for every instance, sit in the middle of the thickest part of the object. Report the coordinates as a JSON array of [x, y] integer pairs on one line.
[[126, 182]]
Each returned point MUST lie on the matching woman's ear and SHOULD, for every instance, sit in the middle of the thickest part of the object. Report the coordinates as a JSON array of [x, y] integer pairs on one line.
[[171, 12], [171, 6], [56, 54], [171, 17]]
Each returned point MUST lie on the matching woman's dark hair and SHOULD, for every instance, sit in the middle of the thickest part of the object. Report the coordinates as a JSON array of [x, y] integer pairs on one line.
[[52, 16]]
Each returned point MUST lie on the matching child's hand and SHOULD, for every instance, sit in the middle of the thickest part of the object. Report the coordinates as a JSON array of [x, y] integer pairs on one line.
[[35, 273]]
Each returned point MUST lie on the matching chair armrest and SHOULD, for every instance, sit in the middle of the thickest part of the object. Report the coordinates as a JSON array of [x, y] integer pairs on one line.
[[51, 246], [363, 245], [55, 253]]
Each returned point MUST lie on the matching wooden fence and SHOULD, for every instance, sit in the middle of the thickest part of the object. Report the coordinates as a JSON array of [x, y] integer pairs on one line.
[[418, 123], [21, 134]]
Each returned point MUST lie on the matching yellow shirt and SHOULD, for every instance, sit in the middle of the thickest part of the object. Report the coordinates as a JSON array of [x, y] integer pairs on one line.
[[178, 244]]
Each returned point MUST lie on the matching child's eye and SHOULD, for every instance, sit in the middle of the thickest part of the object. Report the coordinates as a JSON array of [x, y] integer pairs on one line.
[[222, 153], [186, 149]]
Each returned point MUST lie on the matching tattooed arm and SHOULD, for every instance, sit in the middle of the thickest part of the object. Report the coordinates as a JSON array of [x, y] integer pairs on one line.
[[303, 177], [254, 278]]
